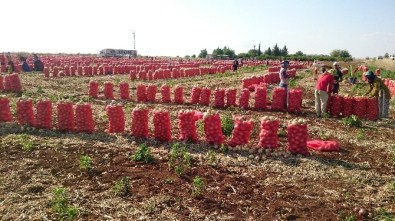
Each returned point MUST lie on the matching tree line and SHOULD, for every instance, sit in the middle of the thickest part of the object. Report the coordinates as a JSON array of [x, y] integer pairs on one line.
[[274, 53]]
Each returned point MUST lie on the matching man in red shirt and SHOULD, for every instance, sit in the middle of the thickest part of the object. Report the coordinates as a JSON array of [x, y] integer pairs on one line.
[[323, 88]]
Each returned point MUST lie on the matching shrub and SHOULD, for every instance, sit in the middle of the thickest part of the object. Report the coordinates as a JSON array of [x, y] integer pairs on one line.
[[143, 154], [179, 159], [60, 205], [198, 186], [85, 162], [122, 187], [227, 125], [352, 121]]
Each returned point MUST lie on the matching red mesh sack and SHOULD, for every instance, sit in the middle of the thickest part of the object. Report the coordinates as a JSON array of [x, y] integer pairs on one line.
[[141, 93], [162, 128], [268, 134], [140, 121], [297, 137], [93, 89], [179, 95], [244, 98], [212, 128], [205, 97], [278, 101], [359, 107], [187, 126], [231, 97], [241, 131], [295, 100], [116, 118], [165, 92], [335, 105], [372, 112], [124, 91], [7, 83], [108, 90], [84, 118], [132, 75], [322, 145], [1, 83], [260, 98], [195, 95], [5, 110], [44, 114], [65, 116], [15, 82], [151, 93], [347, 106], [219, 97], [24, 112]]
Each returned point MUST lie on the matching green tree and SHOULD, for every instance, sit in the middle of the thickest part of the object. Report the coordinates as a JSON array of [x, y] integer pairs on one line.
[[229, 52], [268, 51], [218, 52], [340, 54], [276, 50], [299, 53], [225, 51], [386, 55], [284, 51], [193, 56], [203, 53], [259, 49], [253, 53], [242, 55]]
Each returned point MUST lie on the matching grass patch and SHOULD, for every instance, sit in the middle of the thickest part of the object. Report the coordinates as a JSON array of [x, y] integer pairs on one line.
[[384, 215]]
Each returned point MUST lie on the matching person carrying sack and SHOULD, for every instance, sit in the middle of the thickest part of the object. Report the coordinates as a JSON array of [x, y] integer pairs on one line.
[[380, 91]]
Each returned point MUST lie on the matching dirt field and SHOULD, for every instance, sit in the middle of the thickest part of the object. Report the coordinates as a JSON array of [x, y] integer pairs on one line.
[[239, 184]]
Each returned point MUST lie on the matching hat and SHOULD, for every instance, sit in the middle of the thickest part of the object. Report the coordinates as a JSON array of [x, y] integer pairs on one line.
[[285, 62], [368, 73], [335, 63]]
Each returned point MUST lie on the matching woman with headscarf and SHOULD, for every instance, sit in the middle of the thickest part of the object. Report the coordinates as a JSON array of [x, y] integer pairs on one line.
[[25, 66], [378, 90], [38, 64]]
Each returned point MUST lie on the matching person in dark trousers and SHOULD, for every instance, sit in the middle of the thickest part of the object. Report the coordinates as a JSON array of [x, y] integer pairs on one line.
[[338, 78], [25, 66], [38, 64], [235, 65], [10, 64]]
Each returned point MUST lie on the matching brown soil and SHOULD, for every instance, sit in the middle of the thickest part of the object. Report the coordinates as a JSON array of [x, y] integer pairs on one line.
[[239, 185]]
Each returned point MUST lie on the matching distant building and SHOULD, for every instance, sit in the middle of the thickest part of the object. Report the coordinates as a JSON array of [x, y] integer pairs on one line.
[[117, 53]]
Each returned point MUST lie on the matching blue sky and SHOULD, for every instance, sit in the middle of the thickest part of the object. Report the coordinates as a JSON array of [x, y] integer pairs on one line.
[[184, 27]]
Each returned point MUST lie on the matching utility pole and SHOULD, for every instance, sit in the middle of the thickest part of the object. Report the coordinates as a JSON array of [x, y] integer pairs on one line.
[[134, 39]]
